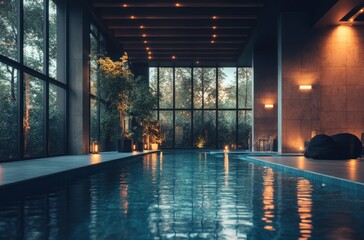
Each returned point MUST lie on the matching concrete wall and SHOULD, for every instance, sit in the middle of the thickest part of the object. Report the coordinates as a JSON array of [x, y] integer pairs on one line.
[[265, 92], [331, 60], [78, 79]]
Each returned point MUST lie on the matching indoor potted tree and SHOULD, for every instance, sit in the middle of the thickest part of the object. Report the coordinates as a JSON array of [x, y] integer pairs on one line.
[[116, 86], [142, 105]]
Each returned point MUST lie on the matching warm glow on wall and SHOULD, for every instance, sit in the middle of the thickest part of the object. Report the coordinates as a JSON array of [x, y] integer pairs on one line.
[[305, 87]]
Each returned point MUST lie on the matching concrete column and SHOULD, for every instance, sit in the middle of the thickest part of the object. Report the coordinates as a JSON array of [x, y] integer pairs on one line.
[[78, 78], [265, 91]]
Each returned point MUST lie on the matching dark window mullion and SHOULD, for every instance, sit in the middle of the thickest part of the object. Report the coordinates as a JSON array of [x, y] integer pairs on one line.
[[174, 108], [46, 71], [192, 111], [217, 106], [237, 107], [158, 96], [20, 79]]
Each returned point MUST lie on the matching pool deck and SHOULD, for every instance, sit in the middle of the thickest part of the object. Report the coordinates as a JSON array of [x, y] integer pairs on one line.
[[349, 174], [16, 172]]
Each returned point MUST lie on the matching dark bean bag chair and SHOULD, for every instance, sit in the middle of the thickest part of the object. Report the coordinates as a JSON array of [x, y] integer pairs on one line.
[[322, 147], [349, 145]]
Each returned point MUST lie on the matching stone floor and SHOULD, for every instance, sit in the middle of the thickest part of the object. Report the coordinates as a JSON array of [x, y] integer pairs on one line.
[[348, 173], [20, 171]]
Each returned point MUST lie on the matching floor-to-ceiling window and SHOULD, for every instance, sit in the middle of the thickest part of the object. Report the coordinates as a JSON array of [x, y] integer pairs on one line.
[[32, 90], [103, 126], [203, 107]]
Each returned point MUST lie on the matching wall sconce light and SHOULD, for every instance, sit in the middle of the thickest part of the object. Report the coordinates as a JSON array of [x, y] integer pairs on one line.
[[226, 148], [95, 148], [305, 87], [134, 147], [145, 146], [268, 106]]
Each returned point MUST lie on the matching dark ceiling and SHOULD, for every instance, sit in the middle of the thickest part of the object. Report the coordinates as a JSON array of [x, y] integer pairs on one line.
[[194, 31]]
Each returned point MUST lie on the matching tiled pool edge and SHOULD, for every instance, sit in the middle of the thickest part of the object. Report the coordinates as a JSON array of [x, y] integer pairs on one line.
[[37, 183], [344, 184]]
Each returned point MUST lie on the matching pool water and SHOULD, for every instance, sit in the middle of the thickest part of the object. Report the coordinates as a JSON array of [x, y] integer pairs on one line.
[[186, 196]]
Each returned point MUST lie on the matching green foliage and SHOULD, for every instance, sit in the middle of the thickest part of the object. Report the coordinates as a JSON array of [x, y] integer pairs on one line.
[[143, 101]]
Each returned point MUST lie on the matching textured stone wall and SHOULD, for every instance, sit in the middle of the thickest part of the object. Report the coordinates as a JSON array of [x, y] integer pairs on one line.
[[331, 59]]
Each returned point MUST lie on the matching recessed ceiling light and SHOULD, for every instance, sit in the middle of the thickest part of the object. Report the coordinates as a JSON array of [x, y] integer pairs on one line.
[[149, 53], [147, 48], [197, 62], [213, 27], [214, 36], [178, 5], [214, 17], [144, 35], [132, 17], [361, 10], [125, 5], [145, 41], [149, 57], [141, 26], [212, 41], [173, 57]]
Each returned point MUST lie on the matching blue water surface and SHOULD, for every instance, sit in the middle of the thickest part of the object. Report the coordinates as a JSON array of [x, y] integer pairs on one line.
[[186, 196]]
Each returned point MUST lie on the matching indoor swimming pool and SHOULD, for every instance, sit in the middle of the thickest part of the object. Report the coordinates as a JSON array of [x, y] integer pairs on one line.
[[185, 196]]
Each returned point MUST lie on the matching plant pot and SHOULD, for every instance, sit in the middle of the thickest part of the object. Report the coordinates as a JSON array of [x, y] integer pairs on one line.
[[124, 145], [154, 146], [140, 146]]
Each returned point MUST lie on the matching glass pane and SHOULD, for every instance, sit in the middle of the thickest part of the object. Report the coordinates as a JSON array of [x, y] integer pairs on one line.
[[208, 78], [166, 87], [204, 129], [93, 65], [52, 39], [9, 28], [166, 122], [94, 122], [183, 129], [153, 80], [33, 34], [9, 116], [183, 87], [245, 88], [57, 99], [33, 122], [227, 87], [227, 128], [197, 88], [109, 129], [244, 129]]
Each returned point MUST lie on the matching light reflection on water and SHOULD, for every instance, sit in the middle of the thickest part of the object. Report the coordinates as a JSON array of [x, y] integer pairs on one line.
[[185, 196]]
